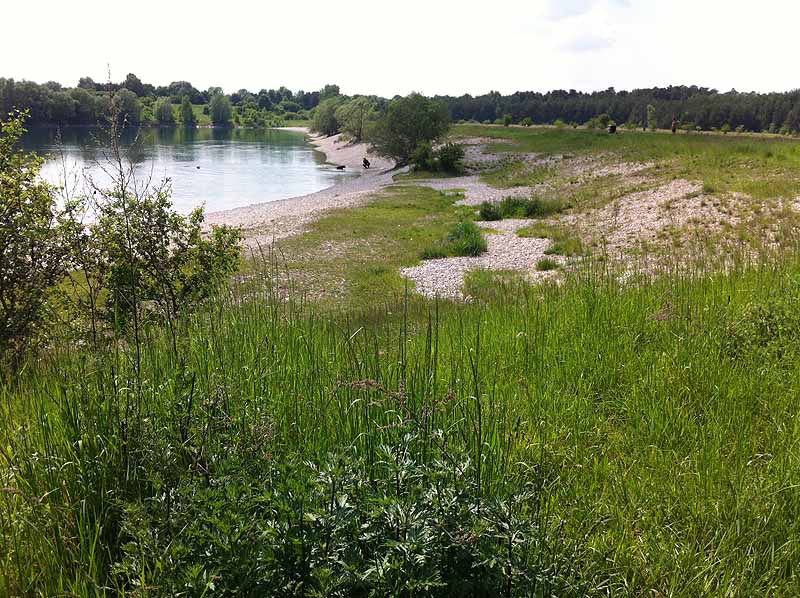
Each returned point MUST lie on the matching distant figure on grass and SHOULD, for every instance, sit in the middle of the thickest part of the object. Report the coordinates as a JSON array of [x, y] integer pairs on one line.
[[674, 125], [365, 162]]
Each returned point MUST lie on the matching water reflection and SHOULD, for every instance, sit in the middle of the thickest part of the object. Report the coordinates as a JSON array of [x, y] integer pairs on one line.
[[220, 167]]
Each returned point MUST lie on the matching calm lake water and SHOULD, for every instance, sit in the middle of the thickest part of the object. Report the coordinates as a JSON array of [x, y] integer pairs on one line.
[[221, 168]]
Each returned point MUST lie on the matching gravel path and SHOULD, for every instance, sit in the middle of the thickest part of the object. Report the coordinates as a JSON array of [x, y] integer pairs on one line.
[[263, 223], [506, 251], [476, 191]]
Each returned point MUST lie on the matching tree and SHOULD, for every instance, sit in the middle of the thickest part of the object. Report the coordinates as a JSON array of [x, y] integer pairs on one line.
[[187, 113], [507, 120], [325, 120], [651, 117], [134, 84], [127, 107], [87, 83], [354, 115], [163, 112], [408, 122], [220, 109], [328, 91], [33, 240]]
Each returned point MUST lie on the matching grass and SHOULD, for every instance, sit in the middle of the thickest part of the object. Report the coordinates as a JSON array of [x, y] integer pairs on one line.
[[349, 253], [546, 264], [565, 242], [762, 166], [587, 438], [651, 420], [516, 173]]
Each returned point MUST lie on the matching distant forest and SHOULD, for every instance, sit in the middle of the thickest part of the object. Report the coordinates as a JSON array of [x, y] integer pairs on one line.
[[697, 106], [142, 103]]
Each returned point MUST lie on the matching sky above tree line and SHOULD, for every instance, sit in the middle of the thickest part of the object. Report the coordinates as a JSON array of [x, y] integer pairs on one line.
[[388, 48]]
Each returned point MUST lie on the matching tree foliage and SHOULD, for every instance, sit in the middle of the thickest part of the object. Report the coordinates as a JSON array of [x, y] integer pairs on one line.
[[188, 118], [220, 109], [162, 111], [34, 241], [409, 122], [325, 121], [354, 116], [137, 258]]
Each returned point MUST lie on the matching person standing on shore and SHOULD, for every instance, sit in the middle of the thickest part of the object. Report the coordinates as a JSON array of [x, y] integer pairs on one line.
[[365, 162]]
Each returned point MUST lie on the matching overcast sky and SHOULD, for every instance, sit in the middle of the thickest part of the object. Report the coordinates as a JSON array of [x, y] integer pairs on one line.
[[388, 48]]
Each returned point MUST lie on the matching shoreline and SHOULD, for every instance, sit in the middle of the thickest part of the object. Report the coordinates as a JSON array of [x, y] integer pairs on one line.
[[265, 222]]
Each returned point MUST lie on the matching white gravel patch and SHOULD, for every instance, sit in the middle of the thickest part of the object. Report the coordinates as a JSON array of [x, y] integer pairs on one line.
[[506, 251]]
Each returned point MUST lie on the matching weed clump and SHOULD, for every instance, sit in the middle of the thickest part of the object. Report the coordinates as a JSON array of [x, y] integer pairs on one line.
[[465, 239]]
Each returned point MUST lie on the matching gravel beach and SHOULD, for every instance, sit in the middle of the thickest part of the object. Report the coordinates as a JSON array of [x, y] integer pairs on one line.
[[266, 222]]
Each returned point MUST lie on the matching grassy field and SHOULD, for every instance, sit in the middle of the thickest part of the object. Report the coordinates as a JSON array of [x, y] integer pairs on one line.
[[319, 431]]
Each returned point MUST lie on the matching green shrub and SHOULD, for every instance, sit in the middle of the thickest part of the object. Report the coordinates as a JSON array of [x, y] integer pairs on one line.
[[466, 239], [450, 158], [507, 120], [726, 128], [424, 158], [526, 122], [490, 212]]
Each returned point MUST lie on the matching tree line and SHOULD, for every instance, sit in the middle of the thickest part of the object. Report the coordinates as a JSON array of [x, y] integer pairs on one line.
[[702, 107], [91, 103]]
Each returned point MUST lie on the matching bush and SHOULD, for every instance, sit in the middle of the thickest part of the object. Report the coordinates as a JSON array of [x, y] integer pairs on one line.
[[35, 238], [451, 157], [424, 158], [465, 239], [726, 128], [526, 122], [507, 120], [740, 129], [490, 212], [448, 158]]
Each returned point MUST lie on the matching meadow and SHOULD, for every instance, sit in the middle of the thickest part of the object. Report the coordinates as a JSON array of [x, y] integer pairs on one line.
[[602, 435]]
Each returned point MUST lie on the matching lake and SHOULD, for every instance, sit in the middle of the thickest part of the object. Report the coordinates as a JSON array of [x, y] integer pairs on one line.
[[220, 167]]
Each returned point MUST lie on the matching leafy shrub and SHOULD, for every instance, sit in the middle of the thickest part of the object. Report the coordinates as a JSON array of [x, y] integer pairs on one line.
[[526, 122], [465, 239], [490, 212], [771, 328], [398, 526], [450, 157], [424, 158], [35, 236], [559, 124], [740, 129], [507, 120], [726, 128]]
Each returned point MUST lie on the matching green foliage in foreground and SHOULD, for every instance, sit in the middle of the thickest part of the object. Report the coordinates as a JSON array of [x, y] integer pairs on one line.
[[465, 239], [653, 421]]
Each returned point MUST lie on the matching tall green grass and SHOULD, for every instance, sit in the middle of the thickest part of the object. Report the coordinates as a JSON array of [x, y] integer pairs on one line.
[[656, 422]]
